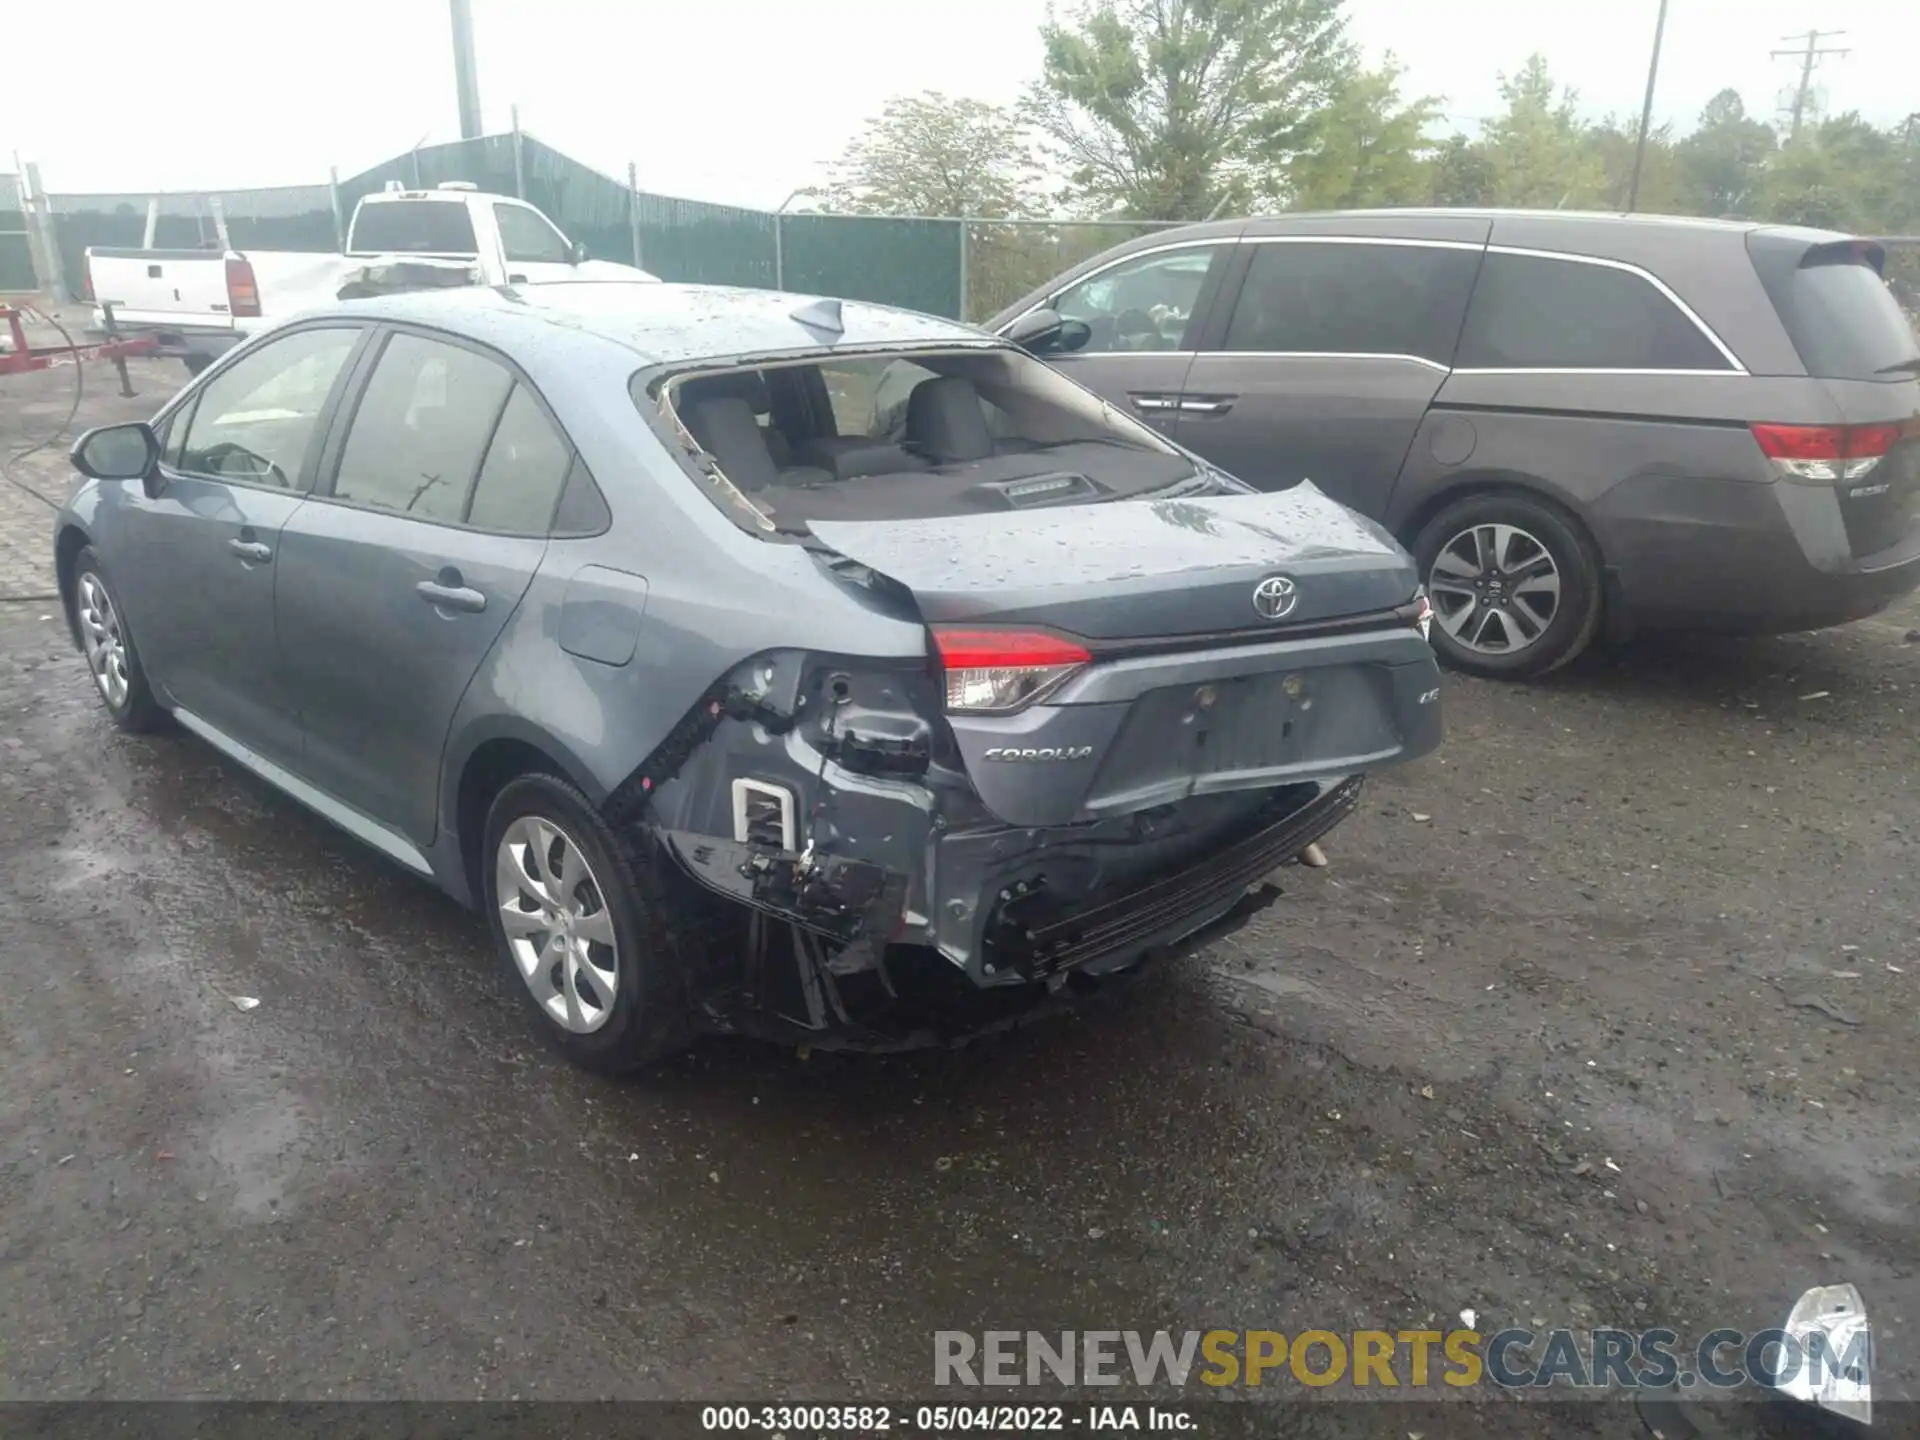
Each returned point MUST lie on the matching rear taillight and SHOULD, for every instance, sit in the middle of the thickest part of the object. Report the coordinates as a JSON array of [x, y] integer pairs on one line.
[[996, 671], [243, 295], [1829, 454]]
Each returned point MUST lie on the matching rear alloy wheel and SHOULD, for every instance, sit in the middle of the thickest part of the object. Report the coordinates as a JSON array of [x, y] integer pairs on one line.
[[108, 646], [1515, 586], [579, 920]]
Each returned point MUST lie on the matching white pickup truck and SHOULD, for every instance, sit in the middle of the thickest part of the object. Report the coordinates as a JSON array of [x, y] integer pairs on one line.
[[202, 302]]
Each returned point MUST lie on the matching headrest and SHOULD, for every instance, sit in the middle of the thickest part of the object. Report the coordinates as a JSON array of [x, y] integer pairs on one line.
[[946, 421]]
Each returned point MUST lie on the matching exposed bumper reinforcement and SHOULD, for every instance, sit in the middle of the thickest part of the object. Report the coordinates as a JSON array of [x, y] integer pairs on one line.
[[1036, 944]]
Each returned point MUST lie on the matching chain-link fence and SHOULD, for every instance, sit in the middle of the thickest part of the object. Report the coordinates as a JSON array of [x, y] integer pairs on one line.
[[942, 265]]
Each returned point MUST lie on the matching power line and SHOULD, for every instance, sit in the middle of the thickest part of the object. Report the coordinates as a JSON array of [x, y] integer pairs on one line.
[[1809, 56]]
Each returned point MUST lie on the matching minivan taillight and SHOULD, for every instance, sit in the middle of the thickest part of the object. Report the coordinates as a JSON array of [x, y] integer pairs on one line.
[[1829, 454], [243, 295], [994, 672]]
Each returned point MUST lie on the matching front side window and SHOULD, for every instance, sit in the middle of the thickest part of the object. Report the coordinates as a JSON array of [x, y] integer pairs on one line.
[[1142, 304], [255, 419], [1349, 299], [421, 429], [1536, 313], [527, 237]]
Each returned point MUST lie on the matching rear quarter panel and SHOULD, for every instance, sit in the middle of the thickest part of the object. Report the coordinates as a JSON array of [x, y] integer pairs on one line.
[[1661, 469], [702, 597]]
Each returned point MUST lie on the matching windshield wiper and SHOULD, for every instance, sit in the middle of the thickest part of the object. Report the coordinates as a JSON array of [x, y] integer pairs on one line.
[[1908, 367]]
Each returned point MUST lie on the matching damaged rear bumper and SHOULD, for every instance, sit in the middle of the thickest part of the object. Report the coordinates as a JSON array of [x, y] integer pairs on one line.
[[1011, 906], [1033, 934]]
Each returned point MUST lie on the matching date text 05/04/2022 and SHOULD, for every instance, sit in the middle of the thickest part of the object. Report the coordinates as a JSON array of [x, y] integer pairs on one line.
[[943, 1419]]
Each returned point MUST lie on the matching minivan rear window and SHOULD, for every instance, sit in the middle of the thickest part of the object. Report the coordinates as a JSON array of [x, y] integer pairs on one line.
[[414, 227], [1841, 317]]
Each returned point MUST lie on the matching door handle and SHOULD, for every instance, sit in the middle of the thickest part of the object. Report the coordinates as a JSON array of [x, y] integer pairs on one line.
[[1216, 405], [1154, 403], [251, 550], [451, 597], [516, 279]]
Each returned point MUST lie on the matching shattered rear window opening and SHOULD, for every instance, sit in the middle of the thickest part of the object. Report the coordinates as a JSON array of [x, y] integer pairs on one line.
[[911, 434]]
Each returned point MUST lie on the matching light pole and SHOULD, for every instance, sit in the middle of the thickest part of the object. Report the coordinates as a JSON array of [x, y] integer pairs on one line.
[[466, 82], [1646, 109]]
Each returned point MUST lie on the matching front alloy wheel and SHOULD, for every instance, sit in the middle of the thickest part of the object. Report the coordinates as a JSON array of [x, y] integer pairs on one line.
[[103, 641], [112, 658]]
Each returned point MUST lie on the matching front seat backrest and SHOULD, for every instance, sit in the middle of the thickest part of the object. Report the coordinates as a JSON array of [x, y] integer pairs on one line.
[[946, 421], [726, 429]]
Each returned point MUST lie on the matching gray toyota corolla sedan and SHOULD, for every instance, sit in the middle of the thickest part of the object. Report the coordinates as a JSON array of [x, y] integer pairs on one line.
[[603, 608]]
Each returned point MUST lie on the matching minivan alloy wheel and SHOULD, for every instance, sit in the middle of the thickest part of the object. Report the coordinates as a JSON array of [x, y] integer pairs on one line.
[[557, 924], [103, 641], [1495, 589]]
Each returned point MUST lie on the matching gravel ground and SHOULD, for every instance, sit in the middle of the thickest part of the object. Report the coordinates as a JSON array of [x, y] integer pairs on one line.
[[1603, 1014]]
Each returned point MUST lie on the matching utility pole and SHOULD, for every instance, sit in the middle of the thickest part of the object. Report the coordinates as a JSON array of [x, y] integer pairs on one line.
[[1646, 110], [466, 79], [1809, 56]]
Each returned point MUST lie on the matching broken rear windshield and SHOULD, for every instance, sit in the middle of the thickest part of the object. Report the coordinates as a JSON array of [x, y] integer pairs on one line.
[[914, 435]]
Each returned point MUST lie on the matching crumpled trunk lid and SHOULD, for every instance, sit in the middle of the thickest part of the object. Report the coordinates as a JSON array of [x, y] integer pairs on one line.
[[1212, 663], [1138, 569]]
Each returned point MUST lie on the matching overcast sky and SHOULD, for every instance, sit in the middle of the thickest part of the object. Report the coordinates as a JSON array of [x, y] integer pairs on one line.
[[742, 100]]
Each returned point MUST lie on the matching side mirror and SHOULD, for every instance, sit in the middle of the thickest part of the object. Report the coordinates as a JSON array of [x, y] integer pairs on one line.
[[1048, 332], [577, 253], [117, 452]]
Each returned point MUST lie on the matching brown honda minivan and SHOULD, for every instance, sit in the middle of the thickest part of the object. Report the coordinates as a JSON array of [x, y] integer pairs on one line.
[[1573, 421]]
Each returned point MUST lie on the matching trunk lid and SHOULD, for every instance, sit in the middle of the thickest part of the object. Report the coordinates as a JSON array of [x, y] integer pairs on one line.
[[1131, 570], [1107, 660]]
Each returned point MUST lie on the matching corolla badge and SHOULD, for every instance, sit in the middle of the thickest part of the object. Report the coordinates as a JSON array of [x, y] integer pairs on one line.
[[1275, 597], [1044, 752]]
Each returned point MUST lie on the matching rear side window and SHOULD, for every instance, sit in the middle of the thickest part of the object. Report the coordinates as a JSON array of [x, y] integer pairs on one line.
[[1346, 299], [526, 465], [420, 429], [1530, 313], [418, 227], [1844, 322]]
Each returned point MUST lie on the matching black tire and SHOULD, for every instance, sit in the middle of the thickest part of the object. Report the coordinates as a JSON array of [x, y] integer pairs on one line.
[[1572, 624], [648, 1012], [137, 712]]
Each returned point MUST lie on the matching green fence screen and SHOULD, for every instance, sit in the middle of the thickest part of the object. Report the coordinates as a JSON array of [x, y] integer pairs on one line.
[[943, 267], [16, 251]]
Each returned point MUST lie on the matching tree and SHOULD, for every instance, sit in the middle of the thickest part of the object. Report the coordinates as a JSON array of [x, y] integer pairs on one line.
[[1722, 162], [1165, 109], [1365, 146], [930, 154], [1539, 150], [1614, 143], [1461, 173], [1842, 174]]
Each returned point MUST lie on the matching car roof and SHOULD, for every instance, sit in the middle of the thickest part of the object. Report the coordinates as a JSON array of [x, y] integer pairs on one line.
[[660, 323]]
